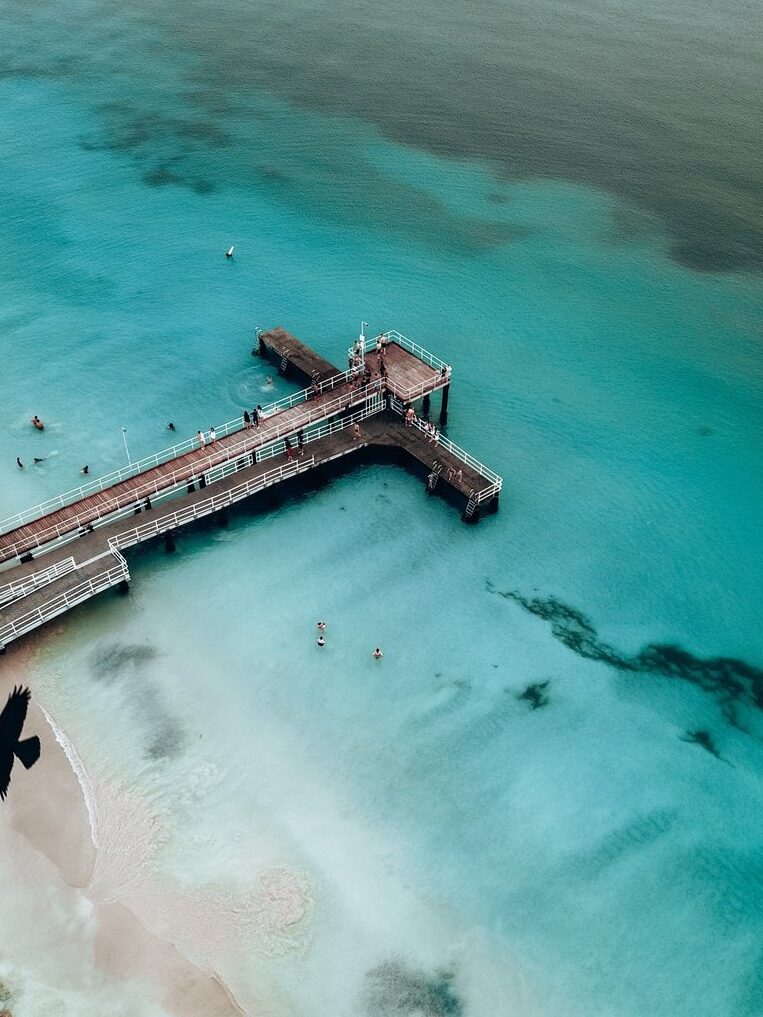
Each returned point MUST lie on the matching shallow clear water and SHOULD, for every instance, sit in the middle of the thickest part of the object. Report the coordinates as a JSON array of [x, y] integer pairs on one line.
[[579, 858]]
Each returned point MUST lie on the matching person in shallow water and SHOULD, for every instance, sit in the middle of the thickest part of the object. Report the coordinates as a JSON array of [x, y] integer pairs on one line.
[[38, 423], [321, 626], [85, 470], [377, 654], [320, 640], [19, 463], [170, 426]]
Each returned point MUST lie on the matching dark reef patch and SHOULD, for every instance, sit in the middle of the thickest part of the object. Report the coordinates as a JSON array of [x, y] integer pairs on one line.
[[705, 740], [393, 989], [108, 662], [168, 741], [535, 695], [164, 737], [732, 682]]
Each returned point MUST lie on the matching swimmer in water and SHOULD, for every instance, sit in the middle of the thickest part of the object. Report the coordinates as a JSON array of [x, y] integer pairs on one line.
[[269, 381], [377, 654], [321, 626], [85, 470], [320, 641], [38, 423], [19, 463], [40, 459], [170, 426]]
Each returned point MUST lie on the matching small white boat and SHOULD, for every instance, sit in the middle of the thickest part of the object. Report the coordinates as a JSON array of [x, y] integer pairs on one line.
[[229, 252]]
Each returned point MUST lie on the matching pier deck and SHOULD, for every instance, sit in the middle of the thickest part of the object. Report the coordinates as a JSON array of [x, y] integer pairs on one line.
[[76, 548]]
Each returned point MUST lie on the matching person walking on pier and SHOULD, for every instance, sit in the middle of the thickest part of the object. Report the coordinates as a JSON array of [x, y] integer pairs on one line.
[[301, 441], [247, 419], [287, 445], [257, 415], [200, 436], [212, 436]]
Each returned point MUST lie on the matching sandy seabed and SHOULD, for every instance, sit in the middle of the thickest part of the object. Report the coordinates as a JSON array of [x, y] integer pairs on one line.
[[94, 929]]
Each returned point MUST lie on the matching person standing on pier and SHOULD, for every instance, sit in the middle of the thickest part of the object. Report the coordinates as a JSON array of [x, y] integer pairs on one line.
[[356, 432], [247, 419], [212, 435], [202, 442], [301, 441], [289, 453]]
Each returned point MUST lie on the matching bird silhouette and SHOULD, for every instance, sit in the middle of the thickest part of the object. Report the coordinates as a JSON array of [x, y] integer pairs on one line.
[[11, 724]]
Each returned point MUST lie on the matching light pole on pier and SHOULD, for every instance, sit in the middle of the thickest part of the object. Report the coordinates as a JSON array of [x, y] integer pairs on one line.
[[362, 342], [124, 439]]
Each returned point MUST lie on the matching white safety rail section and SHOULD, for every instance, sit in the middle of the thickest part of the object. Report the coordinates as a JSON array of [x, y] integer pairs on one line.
[[172, 520], [111, 576], [373, 406], [172, 483], [285, 471], [23, 587], [173, 452], [410, 392], [495, 483], [418, 351]]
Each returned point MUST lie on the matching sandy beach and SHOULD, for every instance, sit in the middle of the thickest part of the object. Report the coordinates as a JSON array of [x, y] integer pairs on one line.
[[86, 909]]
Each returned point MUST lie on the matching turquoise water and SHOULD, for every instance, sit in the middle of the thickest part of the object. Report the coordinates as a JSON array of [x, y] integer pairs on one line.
[[464, 853]]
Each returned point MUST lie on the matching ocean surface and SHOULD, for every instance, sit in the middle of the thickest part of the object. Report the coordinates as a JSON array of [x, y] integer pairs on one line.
[[545, 801]]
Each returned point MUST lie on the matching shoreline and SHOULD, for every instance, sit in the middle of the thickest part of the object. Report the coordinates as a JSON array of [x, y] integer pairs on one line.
[[62, 838]]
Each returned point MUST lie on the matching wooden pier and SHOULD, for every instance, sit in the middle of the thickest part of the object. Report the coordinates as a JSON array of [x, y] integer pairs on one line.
[[64, 551]]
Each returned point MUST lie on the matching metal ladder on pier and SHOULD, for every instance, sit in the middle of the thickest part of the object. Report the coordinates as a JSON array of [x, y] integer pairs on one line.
[[471, 505], [284, 361], [433, 477]]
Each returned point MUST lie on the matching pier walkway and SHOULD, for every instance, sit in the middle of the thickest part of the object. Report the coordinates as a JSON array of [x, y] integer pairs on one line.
[[66, 551]]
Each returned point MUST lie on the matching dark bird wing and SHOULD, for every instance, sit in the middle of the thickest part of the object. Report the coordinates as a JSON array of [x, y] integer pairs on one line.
[[6, 764], [12, 718]]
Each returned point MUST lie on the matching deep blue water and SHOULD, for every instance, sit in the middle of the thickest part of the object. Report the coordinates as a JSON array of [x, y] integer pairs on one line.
[[508, 189]]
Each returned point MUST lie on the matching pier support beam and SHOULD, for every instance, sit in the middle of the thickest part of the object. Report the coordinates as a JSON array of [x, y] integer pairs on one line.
[[169, 543], [444, 405], [426, 406], [124, 587]]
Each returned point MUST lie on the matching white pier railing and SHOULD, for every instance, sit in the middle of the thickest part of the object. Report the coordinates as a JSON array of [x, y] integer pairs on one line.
[[172, 520], [495, 483], [63, 601], [23, 587], [167, 454], [172, 482]]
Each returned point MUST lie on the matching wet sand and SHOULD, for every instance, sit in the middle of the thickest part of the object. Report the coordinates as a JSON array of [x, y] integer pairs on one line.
[[87, 911]]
